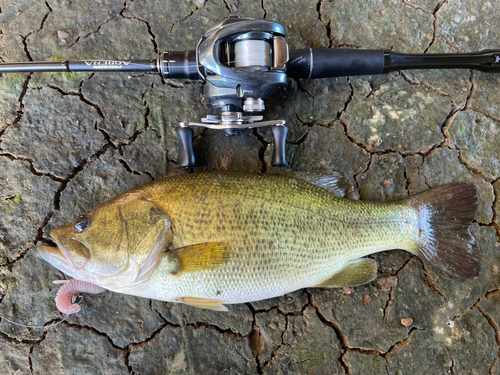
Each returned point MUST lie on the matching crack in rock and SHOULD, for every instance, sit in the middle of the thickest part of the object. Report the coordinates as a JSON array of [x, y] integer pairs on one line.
[[199, 5], [495, 327], [435, 23], [148, 25]]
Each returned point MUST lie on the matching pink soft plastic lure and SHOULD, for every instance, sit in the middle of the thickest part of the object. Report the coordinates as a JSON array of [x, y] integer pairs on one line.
[[67, 294]]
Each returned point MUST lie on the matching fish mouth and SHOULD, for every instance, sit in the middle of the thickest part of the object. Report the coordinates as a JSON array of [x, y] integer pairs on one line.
[[57, 256]]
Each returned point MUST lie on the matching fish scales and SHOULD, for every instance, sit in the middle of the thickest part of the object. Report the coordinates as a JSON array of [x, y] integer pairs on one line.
[[286, 234]]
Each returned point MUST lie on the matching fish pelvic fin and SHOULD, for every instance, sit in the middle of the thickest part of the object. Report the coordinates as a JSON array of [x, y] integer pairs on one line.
[[356, 272], [444, 216], [204, 303]]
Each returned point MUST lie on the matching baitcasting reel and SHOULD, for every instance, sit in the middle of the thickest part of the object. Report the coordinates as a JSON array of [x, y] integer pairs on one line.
[[243, 61]]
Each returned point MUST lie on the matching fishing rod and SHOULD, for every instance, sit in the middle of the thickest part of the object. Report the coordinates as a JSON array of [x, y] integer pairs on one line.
[[242, 61]]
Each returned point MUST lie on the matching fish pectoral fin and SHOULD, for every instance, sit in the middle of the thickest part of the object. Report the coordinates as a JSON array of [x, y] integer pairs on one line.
[[204, 303], [202, 256], [357, 272]]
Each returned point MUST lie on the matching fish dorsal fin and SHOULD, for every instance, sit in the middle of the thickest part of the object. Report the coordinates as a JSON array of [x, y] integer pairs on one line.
[[202, 256], [204, 303], [327, 181], [357, 272]]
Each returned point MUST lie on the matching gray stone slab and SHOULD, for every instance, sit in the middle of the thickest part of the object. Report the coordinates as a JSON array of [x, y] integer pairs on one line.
[[71, 141]]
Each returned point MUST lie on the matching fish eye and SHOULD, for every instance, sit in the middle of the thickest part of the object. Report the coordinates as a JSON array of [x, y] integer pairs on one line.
[[81, 224]]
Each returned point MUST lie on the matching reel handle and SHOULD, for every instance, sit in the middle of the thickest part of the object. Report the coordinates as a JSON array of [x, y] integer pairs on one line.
[[185, 156], [279, 157]]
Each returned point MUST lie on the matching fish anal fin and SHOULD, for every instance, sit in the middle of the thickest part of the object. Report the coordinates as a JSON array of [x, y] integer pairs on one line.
[[357, 272], [204, 303], [202, 256]]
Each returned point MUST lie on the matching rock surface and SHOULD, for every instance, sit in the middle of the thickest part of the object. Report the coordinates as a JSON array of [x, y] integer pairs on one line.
[[71, 141]]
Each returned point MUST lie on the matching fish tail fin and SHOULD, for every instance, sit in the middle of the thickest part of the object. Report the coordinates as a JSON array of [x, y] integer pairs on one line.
[[444, 218]]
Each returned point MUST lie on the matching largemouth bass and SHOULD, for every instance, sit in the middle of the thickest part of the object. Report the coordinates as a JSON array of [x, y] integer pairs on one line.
[[212, 239]]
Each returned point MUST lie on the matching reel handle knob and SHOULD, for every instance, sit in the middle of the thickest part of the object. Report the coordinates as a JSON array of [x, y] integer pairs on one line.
[[185, 157], [279, 157]]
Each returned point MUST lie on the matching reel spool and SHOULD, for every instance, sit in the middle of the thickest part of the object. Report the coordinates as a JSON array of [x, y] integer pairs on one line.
[[252, 54], [241, 69]]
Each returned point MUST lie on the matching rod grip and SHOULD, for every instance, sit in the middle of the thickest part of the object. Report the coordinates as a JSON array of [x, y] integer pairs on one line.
[[333, 62], [185, 156]]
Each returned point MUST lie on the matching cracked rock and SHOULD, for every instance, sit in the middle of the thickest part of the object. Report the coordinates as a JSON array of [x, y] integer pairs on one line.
[[290, 303], [271, 326], [379, 25], [328, 149], [308, 347], [25, 200], [362, 364], [14, 356], [387, 174], [238, 319], [479, 144], [398, 116], [437, 345], [74, 349], [99, 181], [30, 297], [189, 349], [56, 131], [71, 141], [459, 22], [444, 167], [380, 333]]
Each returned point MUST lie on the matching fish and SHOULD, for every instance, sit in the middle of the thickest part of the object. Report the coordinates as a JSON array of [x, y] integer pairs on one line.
[[213, 239]]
